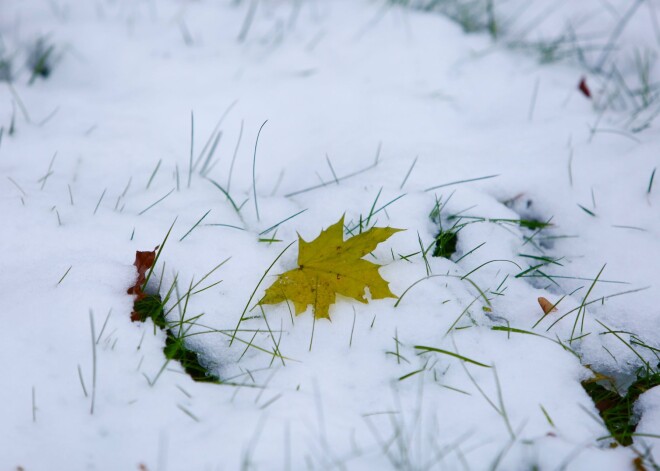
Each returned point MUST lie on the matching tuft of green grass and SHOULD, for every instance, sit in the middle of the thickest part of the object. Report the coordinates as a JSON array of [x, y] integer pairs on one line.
[[446, 239], [617, 411], [5, 68], [445, 243], [532, 224], [41, 59], [153, 307], [473, 16]]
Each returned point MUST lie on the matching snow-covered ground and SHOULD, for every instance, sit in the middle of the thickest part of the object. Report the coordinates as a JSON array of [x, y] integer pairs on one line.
[[372, 109]]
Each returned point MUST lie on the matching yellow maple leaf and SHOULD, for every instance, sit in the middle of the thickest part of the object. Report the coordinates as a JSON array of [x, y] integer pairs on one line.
[[328, 266]]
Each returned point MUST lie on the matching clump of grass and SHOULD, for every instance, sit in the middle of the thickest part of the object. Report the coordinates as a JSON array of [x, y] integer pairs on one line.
[[473, 16], [445, 243], [5, 68], [617, 411], [446, 239], [41, 59], [626, 83], [153, 307], [150, 305], [548, 51]]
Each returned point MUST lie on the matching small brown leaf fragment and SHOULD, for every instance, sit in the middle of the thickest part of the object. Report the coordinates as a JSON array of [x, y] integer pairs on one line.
[[143, 262], [605, 405], [546, 305], [584, 88], [638, 464]]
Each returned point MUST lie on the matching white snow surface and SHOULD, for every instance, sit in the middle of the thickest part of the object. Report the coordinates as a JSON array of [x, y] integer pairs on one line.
[[347, 87]]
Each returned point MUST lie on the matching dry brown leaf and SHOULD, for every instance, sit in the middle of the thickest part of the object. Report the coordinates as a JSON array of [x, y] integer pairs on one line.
[[638, 464], [143, 262], [546, 305]]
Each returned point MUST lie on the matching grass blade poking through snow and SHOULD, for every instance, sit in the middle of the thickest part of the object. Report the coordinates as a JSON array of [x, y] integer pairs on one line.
[[229, 198], [274, 226], [583, 307], [160, 250], [158, 201], [153, 174], [91, 324], [458, 182], [195, 225], [648, 191], [233, 158], [254, 167], [65, 274], [192, 143], [617, 411], [247, 305], [425, 349]]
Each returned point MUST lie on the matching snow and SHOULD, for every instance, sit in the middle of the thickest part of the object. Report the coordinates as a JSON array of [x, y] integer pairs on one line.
[[345, 86]]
